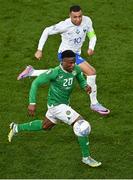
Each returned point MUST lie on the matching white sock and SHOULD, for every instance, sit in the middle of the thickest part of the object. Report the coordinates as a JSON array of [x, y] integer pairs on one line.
[[37, 72], [84, 158], [91, 81], [15, 128]]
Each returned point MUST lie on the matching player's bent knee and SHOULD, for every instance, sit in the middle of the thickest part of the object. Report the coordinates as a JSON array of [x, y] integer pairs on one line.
[[81, 128]]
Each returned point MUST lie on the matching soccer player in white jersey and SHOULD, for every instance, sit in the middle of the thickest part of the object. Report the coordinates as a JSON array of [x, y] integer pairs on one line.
[[73, 32], [61, 80]]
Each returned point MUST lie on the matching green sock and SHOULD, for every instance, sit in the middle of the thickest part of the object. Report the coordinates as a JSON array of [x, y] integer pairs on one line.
[[35, 125], [84, 145]]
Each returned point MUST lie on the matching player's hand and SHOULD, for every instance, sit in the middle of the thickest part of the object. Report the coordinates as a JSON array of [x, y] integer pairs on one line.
[[90, 52], [88, 89], [32, 109], [38, 54]]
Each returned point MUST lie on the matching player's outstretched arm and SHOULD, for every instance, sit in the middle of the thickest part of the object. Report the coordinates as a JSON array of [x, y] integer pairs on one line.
[[51, 30]]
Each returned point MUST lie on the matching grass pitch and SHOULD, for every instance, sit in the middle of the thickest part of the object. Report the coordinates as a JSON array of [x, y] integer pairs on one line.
[[56, 154]]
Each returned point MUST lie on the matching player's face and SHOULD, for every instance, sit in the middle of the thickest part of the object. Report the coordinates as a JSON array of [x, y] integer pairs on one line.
[[68, 64], [76, 17]]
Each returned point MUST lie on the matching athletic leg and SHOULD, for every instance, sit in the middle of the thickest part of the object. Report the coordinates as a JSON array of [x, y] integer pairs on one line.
[[69, 116], [36, 125], [90, 73], [29, 71], [82, 129]]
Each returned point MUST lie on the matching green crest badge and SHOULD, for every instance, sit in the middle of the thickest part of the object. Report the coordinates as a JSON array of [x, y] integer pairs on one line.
[[74, 73], [68, 112]]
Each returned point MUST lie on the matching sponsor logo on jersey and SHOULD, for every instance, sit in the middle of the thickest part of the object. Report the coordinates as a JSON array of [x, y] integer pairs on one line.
[[67, 88], [84, 30], [49, 71], [60, 76], [68, 118]]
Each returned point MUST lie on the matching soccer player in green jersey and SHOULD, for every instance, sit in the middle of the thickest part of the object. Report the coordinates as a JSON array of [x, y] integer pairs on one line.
[[61, 80]]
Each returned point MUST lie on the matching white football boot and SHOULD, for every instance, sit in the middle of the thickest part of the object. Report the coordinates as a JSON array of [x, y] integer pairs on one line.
[[13, 131], [91, 162]]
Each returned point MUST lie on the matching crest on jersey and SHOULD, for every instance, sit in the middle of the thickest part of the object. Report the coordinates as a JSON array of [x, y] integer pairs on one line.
[[68, 112], [74, 73], [77, 31]]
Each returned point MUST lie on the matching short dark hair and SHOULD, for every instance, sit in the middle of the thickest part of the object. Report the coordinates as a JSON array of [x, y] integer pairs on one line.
[[67, 54], [75, 8]]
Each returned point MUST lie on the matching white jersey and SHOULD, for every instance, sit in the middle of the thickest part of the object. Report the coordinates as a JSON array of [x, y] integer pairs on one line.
[[72, 36]]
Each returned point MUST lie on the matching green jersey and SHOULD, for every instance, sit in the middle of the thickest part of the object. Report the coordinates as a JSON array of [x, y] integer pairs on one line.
[[61, 84]]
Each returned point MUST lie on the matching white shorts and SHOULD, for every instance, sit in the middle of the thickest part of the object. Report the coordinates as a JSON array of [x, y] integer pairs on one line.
[[63, 113]]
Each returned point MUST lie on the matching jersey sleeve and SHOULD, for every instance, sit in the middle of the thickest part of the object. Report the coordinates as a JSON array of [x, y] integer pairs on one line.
[[44, 78], [91, 34], [51, 30], [80, 78]]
